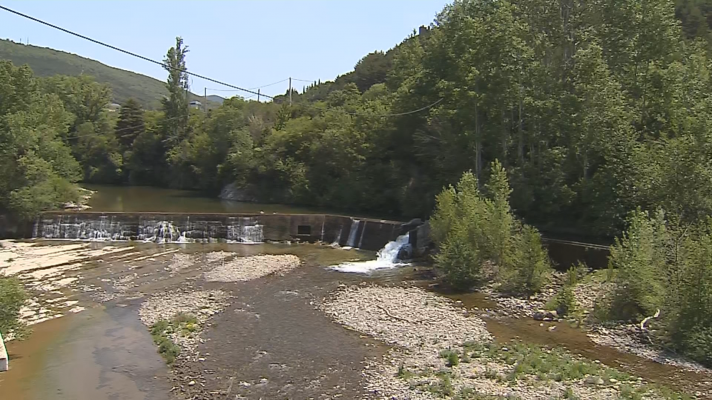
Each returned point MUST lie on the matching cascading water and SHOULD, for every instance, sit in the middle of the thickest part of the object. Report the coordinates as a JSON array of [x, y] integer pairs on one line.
[[73, 228], [244, 230], [387, 258], [162, 232], [351, 241]]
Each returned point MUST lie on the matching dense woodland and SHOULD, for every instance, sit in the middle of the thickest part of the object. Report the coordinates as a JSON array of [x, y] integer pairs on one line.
[[593, 109]]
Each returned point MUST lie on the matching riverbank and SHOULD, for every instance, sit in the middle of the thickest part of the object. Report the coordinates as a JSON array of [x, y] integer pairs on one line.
[[591, 289], [442, 350]]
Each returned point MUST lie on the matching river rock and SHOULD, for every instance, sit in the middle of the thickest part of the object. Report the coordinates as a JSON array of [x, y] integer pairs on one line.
[[543, 315]]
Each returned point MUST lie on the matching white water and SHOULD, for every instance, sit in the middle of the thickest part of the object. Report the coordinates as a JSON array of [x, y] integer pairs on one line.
[[351, 241], [387, 259]]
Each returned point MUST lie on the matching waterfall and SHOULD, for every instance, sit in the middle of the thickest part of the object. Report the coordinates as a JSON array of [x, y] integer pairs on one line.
[[244, 230], [73, 228], [161, 232], [387, 258], [351, 241]]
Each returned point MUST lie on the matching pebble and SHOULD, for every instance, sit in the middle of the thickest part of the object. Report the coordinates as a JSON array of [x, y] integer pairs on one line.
[[249, 268]]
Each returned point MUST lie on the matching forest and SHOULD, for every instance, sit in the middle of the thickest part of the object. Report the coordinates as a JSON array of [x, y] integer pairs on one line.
[[593, 110]]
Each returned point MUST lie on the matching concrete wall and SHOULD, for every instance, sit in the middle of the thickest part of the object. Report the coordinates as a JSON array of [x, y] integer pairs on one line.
[[4, 360], [371, 234]]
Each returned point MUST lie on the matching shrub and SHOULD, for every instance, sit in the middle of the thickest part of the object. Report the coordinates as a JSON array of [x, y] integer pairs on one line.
[[471, 228], [12, 298], [639, 259], [530, 268], [565, 302]]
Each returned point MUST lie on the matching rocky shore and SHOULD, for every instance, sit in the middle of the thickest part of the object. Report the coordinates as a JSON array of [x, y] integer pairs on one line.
[[249, 268], [440, 350]]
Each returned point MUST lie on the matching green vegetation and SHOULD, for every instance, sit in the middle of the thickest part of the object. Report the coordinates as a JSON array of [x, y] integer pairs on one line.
[[663, 268], [472, 228], [564, 303], [518, 363], [12, 298], [589, 119], [46, 62], [161, 332]]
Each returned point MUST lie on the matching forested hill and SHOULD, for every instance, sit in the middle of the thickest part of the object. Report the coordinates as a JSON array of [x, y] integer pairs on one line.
[[49, 62]]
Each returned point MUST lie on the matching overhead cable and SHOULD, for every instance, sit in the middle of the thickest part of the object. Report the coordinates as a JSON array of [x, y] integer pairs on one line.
[[127, 52]]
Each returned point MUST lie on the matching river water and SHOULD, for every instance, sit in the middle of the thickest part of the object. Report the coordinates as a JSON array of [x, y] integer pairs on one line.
[[110, 198]]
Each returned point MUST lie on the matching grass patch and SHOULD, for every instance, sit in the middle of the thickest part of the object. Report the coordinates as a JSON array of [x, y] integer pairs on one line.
[[443, 388], [453, 359], [555, 364], [559, 365], [183, 324], [405, 374]]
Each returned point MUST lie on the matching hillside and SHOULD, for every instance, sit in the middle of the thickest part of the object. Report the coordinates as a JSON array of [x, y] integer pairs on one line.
[[124, 84]]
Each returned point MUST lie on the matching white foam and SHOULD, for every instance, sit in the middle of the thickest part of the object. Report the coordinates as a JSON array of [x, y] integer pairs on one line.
[[387, 259]]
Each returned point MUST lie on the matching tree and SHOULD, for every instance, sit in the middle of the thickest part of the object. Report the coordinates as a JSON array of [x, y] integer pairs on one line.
[[130, 124], [175, 106], [36, 167]]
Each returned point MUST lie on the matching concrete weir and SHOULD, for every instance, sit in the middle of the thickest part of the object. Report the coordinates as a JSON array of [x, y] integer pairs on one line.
[[4, 359], [371, 234]]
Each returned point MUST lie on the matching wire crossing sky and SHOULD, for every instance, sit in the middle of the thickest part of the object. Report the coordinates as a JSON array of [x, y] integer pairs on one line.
[[246, 43]]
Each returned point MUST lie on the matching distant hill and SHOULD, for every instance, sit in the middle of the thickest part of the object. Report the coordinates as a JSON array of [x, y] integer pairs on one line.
[[216, 99], [124, 84]]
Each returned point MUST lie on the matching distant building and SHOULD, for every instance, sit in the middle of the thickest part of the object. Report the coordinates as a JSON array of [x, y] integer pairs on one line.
[[113, 107]]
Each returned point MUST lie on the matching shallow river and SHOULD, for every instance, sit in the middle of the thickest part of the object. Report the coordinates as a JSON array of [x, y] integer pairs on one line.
[[272, 331]]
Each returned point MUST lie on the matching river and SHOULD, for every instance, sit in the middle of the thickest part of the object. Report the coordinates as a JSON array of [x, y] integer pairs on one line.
[[111, 198], [105, 353]]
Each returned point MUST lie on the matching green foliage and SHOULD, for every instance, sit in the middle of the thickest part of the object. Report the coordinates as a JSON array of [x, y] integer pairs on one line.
[[161, 332], [663, 268], [639, 259], [590, 118], [453, 359], [565, 302], [529, 268], [37, 168], [471, 228], [12, 298]]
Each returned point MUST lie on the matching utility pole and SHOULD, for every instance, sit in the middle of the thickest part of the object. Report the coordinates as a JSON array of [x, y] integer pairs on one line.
[[290, 90], [205, 100], [258, 95]]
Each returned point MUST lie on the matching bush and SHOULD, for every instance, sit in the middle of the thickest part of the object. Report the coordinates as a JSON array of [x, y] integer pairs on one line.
[[471, 229], [665, 267], [639, 258], [530, 268], [459, 260], [12, 298], [565, 302]]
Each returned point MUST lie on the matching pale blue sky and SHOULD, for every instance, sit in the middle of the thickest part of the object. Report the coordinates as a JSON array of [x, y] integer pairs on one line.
[[245, 43]]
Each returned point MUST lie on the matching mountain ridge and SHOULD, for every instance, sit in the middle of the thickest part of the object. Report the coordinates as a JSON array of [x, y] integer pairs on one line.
[[124, 84]]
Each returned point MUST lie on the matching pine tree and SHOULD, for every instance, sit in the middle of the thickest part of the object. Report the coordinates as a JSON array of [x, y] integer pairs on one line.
[[130, 124]]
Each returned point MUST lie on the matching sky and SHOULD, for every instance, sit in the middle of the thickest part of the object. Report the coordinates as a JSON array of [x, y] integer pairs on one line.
[[246, 43]]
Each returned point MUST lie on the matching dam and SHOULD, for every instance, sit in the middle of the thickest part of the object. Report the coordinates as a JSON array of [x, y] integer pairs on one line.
[[366, 234]]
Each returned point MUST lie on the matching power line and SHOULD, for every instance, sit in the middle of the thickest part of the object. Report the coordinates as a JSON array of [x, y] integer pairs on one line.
[[127, 52], [271, 84]]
